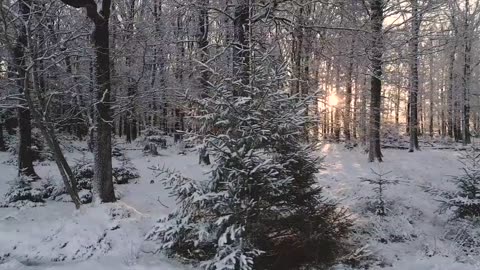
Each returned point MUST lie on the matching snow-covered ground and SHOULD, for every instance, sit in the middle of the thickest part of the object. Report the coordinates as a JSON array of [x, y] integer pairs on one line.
[[111, 236], [107, 236], [413, 235]]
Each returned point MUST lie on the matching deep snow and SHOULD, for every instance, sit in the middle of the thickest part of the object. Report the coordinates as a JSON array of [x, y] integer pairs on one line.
[[111, 236]]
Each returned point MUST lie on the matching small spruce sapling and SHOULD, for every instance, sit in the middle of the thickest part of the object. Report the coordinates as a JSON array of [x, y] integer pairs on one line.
[[380, 183]]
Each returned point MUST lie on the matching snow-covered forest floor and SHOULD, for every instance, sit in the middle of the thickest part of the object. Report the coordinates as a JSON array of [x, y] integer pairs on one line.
[[412, 235]]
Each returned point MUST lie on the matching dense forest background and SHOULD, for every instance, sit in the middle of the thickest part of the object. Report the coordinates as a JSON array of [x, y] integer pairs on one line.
[[423, 54]]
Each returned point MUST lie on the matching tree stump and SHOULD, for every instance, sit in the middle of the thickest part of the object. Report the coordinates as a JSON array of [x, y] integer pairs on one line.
[[203, 156]]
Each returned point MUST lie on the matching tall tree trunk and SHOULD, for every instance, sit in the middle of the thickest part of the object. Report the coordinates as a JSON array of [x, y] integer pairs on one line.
[[413, 100], [102, 150], [159, 67], [443, 124], [466, 76], [363, 111], [176, 110], [202, 41], [407, 115], [241, 46], [103, 183], [348, 94], [451, 89], [25, 161], [131, 116], [337, 124], [376, 20], [397, 107], [326, 88], [420, 112], [355, 105], [443, 102], [297, 51], [157, 11], [431, 90]]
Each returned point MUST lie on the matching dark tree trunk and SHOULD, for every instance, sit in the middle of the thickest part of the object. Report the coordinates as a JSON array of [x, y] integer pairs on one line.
[[397, 107], [376, 20], [157, 10], [102, 150], [301, 50], [337, 129], [25, 161], [158, 69], [10, 124], [355, 105], [103, 183], [241, 46], [442, 113], [466, 77], [413, 100], [297, 50], [126, 127], [202, 40], [328, 123], [131, 116], [3, 147], [176, 109], [348, 94], [407, 115]]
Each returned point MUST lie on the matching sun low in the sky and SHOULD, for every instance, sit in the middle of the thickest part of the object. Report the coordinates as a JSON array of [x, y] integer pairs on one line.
[[333, 100]]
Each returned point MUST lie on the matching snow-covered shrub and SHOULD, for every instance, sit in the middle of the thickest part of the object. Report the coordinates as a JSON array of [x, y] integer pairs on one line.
[[118, 212], [156, 136], [261, 208], [83, 172], [466, 234], [466, 202], [123, 174], [86, 196], [50, 187], [21, 192]]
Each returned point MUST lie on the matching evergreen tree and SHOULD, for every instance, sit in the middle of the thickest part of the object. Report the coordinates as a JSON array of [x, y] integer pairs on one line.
[[466, 202], [260, 208]]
